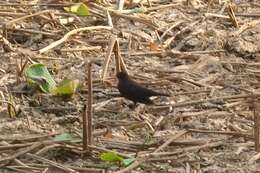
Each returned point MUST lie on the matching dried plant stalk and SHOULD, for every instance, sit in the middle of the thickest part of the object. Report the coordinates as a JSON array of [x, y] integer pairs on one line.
[[90, 101], [120, 64], [232, 16], [256, 125], [108, 57], [87, 115]]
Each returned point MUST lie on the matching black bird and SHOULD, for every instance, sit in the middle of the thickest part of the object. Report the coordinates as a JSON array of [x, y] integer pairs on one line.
[[134, 91]]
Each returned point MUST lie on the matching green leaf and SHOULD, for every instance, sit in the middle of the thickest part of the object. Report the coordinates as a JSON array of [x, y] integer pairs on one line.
[[79, 9], [66, 87], [63, 137], [67, 137], [76, 140], [39, 75], [110, 157], [127, 162]]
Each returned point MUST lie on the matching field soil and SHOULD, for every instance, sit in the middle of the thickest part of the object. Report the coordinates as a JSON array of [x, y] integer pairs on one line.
[[204, 53]]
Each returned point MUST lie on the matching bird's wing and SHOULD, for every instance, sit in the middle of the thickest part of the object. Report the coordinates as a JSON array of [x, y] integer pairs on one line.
[[140, 90]]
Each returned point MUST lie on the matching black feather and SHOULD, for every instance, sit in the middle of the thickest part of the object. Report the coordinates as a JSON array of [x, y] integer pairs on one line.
[[134, 91]]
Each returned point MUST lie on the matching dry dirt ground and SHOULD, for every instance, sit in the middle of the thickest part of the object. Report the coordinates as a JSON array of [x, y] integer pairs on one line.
[[205, 53]]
